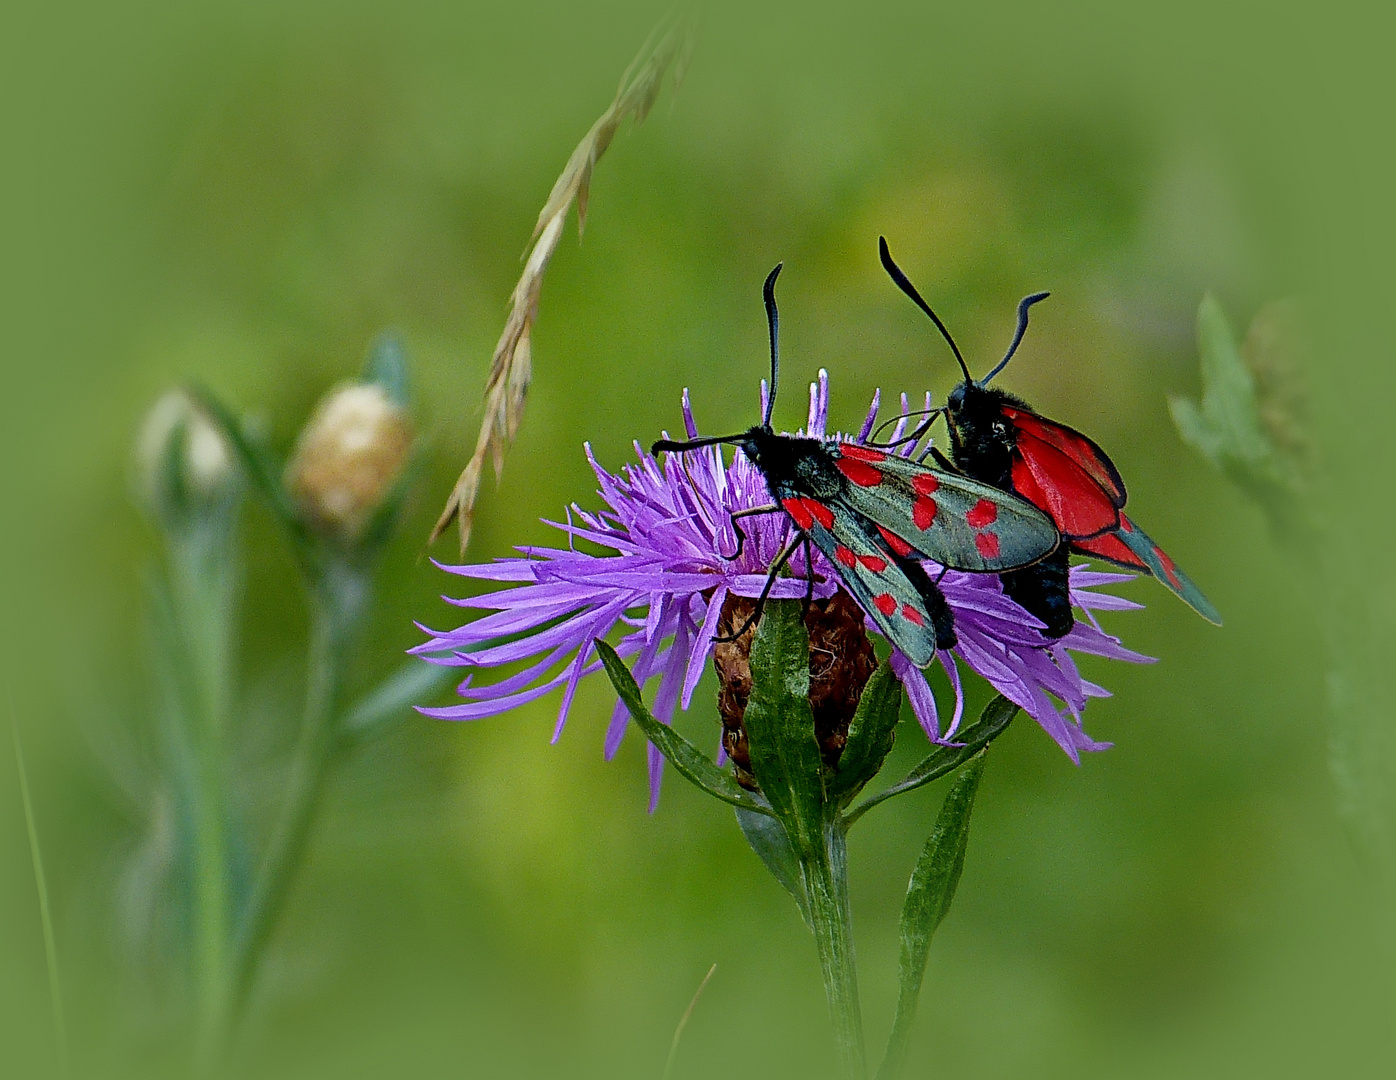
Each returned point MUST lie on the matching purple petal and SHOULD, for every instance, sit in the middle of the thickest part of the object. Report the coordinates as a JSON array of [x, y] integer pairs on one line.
[[871, 420], [688, 424], [952, 672], [918, 693], [698, 659]]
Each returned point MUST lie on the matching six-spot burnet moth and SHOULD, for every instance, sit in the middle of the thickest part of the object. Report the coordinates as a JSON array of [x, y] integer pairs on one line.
[[876, 515], [997, 438]]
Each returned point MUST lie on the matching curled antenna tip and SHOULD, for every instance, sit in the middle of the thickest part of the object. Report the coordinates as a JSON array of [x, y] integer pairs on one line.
[[1023, 306]]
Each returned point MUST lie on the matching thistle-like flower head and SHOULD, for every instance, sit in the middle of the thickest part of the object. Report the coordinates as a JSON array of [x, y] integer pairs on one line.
[[667, 575]]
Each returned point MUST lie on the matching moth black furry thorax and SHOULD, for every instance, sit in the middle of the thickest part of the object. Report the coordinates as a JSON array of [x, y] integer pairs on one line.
[[981, 440], [786, 458]]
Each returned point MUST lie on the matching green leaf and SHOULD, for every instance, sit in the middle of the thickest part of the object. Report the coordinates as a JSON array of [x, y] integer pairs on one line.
[[1226, 427], [991, 724], [1229, 398], [387, 366], [391, 699], [928, 896], [263, 471], [768, 839], [691, 763], [785, 757], [870, 734]]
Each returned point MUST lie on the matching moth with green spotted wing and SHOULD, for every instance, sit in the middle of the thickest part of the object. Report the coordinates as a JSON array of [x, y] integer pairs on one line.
[[875, 516]]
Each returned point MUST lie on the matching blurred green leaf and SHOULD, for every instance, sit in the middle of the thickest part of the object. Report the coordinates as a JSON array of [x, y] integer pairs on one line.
[[1228, 423], [691, 763], [262, 469], [928, 896], [870, 734], [768, 839], [785, 756], [1228, 428], [991, 724], [387, 366], [391, 699]]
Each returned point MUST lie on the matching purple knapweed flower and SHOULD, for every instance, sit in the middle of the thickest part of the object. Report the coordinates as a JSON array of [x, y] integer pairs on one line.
[[667, 575]]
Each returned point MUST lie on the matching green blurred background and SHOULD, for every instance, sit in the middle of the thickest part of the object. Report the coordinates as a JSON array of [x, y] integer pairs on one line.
[[244, 195]]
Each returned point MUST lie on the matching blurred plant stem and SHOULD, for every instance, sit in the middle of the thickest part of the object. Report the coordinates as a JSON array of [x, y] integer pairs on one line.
[[336, 601], [683, 1023], [201, 587], [36, 856], [1252, 424], [195, 495], [337, 503]]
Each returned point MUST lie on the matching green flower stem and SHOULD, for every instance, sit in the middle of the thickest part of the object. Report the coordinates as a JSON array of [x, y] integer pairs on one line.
[[335, 604], [200, 618], [825, 872], [785, 758]]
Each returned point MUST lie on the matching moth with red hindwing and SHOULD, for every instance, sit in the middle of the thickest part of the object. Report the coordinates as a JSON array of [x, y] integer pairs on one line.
[[876, 515], [997, 438]]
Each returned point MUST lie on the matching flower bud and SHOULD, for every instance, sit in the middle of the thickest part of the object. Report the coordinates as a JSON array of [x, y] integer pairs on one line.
[[185, 465], [841, 661], [348, 458]]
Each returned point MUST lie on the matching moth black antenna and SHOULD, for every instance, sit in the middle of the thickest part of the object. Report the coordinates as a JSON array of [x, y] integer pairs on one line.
[[1023, 306], [768, 292], [678, 447], [895, 273]]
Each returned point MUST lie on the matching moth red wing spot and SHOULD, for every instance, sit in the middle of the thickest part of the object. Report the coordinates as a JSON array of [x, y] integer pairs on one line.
[[845, 556], [923, 512], [875, 563], [895, 542], [886, 603], [910, 614], [807, 511], [820, 513], [861, 453], [1169, 567], [983, 514], [925, 484], [859, 472], [1125, 524], [988, 544], [797, 510]]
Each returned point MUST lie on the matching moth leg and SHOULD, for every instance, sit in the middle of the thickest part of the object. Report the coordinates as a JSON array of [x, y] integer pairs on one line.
[[765, 590], [921, 428], [940, 459], [750, 511]]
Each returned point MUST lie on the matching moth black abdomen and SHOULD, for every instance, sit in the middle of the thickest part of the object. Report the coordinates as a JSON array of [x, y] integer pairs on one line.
[[1044, 591]]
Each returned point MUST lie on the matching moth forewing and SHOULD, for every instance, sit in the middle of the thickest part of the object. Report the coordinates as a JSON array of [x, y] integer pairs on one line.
[[958, 522]]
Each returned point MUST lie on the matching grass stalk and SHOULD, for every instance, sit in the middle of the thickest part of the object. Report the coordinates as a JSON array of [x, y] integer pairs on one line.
[[55, 990]]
